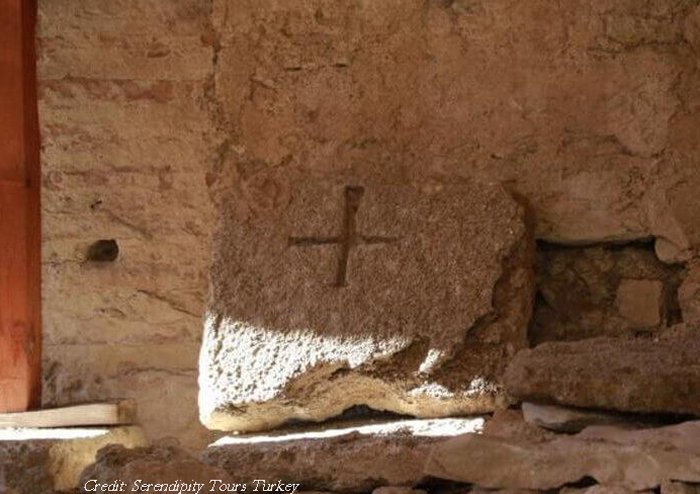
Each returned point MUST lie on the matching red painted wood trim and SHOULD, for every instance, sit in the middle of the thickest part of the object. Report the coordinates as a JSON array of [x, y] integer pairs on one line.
[[20, 223]]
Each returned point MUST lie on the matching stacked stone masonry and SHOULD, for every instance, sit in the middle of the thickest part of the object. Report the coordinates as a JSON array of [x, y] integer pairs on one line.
[[154, 112]]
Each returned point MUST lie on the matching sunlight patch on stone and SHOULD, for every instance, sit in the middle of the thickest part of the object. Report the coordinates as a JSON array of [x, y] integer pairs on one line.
[[11, 434], [254, 364], [418, 427]]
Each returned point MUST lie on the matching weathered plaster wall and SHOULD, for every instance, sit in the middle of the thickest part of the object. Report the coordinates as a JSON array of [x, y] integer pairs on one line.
[[126, 136], [588, 108]]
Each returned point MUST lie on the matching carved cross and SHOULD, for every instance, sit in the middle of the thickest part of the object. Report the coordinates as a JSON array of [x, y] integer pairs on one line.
[[349, 237]]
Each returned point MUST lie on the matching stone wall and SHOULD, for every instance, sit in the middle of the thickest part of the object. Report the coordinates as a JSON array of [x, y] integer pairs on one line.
[[588, 109], [603, 290], [126, 135]]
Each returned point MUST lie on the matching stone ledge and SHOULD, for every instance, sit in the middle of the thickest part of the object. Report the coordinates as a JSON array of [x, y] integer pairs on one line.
[[34, 461], [340, 458]]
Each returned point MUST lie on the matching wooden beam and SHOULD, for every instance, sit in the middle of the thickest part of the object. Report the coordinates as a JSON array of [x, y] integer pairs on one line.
[[91, 414], [20, 242]]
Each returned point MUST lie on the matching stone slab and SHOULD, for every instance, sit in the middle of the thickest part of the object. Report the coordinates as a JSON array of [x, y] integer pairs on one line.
[[341, 458], [652, 375], [617, 458], [37, 461], [331, 294], [569, 420], [162, 467]]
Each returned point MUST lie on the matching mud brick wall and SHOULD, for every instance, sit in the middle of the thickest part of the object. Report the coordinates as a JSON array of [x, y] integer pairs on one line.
[[126, 136], [588, 109]]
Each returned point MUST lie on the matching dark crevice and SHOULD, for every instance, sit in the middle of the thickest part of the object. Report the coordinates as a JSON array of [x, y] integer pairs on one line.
[[580, 292], [350, 416], [614, 245]]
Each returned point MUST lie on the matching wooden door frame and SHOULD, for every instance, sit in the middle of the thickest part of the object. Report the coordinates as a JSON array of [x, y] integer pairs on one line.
[[20, 210]]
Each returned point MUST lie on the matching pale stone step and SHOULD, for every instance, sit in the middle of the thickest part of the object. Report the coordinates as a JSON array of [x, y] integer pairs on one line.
[[341, 459], [34, 461]]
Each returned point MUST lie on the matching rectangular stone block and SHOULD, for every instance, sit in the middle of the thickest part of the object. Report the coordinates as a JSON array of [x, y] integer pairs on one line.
[[327, 295], [657, 375]]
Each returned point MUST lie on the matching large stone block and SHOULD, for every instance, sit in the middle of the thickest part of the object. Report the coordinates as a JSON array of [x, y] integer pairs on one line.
[[647, 375], [325, 296]]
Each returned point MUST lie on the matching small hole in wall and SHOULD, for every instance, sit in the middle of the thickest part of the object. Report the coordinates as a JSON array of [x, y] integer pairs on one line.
[[103, 251]]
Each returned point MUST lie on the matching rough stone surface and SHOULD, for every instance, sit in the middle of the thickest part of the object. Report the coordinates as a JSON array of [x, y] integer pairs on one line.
[[636, 375], [640, 302], [584, 292], [162, 463], [671, 487], [481, 490], [511, 424], [689, 295], [417, 312], [397, 490], [359, 461], [592, 119], [565, 419], [126, 138], [36, 461], [146, 105], [634, 460], [601, 489]]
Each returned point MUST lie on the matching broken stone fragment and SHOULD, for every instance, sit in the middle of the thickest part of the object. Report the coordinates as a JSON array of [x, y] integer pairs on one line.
[[618, 458], [640, 302], [569, 420], [49, 460], [634, 375], [134, 469], [510, 424], [327, 295]]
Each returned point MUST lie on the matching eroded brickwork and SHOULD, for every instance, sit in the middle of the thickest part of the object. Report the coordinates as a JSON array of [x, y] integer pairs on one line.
[[126, 135]]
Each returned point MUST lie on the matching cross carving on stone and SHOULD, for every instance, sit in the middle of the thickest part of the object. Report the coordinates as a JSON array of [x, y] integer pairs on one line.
[[349, 237]]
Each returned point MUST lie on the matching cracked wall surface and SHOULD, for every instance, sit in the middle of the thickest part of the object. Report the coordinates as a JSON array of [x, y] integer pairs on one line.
[[587, 109]]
